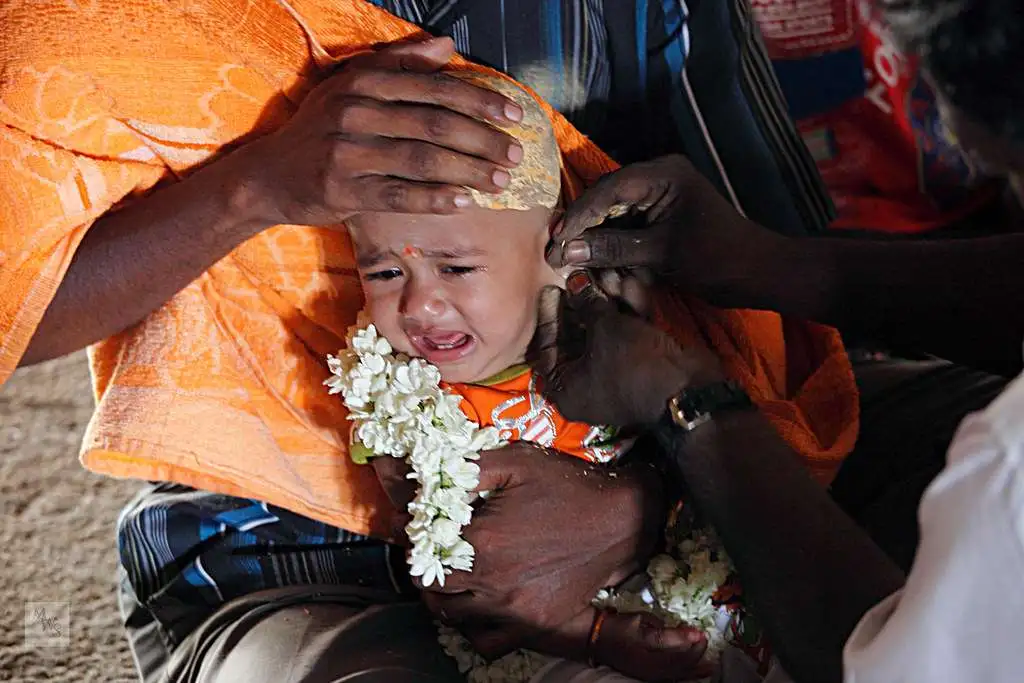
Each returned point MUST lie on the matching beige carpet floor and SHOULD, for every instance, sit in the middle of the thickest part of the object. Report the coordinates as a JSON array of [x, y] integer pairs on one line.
[[57, 542]]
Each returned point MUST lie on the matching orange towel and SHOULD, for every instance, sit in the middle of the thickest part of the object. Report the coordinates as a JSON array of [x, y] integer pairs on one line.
[[220, 388]]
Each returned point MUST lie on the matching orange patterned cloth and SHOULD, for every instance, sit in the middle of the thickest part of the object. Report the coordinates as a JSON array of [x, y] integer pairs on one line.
[[220, 388]]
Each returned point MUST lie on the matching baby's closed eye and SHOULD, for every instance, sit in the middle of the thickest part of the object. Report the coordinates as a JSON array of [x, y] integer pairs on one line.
[[459, 271], [383, 275]]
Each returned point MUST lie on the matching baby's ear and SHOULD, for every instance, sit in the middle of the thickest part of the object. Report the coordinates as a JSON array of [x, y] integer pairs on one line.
[[557, 214]]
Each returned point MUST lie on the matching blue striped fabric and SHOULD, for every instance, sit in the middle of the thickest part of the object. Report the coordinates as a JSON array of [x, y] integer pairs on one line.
[[186, 552]]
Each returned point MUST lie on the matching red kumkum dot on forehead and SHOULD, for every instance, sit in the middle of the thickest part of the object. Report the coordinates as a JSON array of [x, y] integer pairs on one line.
[[411, 251]]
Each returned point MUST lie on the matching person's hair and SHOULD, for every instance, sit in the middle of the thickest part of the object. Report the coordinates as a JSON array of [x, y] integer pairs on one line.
[[973, 51]]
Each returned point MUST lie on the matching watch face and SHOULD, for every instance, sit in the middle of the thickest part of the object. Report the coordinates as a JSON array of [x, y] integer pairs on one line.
[[685, 414], [691, 408]]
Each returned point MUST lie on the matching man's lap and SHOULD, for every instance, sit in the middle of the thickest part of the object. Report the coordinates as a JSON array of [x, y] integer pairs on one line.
[[314, 634], [245, 554], [185, 553]]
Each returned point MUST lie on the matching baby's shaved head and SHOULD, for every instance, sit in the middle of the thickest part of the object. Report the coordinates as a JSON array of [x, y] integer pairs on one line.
[[537, 180]]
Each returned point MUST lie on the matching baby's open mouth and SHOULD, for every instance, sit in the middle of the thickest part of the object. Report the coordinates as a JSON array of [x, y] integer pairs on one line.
[[440, 347], [445, 342]]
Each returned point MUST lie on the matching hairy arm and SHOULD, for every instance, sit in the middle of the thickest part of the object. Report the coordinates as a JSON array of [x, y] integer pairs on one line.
[[386, 133], [809, 572], [954, 297], [134, 260]]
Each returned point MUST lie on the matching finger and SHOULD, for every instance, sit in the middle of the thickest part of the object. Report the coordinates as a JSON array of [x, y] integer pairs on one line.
[[492, 634], [619, 285], [395, 195], [425, 55], [495, 641], [451, 609], [585, 298], [496, 474], [611, 248], [448, 129], [543, 352], [434, 89], [561, 336], [391, 472], [609, 281], [644, 647], [422, 56], [399, 521], [452, 585], [636, 294], [644, 276], [612, 196], [420, 161], [571, 640]]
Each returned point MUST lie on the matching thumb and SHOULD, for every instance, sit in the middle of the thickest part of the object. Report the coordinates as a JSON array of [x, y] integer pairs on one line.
[[422, 56], [494, 476], [543, 353], [612, 247], [587, 299], [506, 467]]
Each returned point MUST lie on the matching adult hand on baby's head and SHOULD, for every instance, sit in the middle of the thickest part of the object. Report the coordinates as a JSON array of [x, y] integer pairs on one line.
[[663, 215], [605, 366], [386, 133]]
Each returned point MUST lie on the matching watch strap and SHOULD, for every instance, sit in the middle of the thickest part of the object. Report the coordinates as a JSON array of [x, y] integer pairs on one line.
[[694, 406]]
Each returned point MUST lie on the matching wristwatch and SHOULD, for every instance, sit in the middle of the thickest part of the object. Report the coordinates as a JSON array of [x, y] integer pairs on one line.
[[694, 406]]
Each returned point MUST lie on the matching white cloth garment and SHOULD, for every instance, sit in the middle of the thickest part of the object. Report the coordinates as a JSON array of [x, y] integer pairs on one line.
[[960, 616]]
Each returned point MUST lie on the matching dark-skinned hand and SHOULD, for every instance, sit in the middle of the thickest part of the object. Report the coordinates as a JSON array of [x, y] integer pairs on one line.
[[662, 215], [387, 132]]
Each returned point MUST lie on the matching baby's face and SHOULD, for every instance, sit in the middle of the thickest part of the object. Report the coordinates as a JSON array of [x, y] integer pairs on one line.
[[459, 291]]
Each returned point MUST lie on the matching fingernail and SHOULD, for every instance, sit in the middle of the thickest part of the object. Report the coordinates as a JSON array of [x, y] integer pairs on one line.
[[515, 153], [501, 178], [462, 200], [577, 282], [513, 112], [576, 252]]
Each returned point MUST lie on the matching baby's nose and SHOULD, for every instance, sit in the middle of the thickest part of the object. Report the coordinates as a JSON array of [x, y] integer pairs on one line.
[[423, 302]]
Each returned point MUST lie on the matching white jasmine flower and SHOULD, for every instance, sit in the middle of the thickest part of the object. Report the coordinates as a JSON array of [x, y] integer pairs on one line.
[[445, 533], [452, 503], [460, 555], [460, 472]]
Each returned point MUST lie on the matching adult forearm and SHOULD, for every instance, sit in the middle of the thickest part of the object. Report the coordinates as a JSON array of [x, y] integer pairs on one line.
[[135, 259], [952, 298], [808, 571]]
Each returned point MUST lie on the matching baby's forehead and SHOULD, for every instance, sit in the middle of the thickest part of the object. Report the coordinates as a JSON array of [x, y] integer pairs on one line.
[[477, 230]]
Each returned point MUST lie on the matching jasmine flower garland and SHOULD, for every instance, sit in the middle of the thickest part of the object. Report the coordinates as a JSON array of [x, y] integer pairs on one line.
[[399, 410]]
